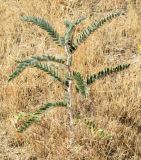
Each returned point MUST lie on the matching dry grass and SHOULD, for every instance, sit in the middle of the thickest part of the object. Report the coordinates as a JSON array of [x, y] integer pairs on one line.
[[114, 104]]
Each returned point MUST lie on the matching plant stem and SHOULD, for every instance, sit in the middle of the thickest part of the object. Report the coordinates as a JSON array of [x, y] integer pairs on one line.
[[69, 92]]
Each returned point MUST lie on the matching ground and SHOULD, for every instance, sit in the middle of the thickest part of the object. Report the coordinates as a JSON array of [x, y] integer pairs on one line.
[[109, 124]]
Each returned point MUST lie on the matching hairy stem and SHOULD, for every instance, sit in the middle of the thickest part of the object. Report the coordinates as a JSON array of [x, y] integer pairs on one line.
[[69, 92]]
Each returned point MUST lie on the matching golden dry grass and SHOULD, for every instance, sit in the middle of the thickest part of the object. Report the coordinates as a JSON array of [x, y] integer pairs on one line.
[[114, 104]]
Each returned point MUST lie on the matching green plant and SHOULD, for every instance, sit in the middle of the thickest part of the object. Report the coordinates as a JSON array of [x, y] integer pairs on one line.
[[70, 44], [97, 131]]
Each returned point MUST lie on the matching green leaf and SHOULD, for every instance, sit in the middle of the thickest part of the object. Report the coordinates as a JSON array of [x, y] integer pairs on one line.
[[79, 20], [93, 27], [107, 71], [34, 63], [97, 131], [81, 86], [46, 26], [67, 23], [70, 32], [49, 105], [35, 116], [49, 70], [20, 68], [50, 58]]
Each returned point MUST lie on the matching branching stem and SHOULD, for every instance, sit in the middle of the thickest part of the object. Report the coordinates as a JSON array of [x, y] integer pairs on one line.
[[69, 92]]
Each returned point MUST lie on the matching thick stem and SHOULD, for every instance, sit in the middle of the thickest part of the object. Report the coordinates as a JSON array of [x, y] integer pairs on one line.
[[69, 92]]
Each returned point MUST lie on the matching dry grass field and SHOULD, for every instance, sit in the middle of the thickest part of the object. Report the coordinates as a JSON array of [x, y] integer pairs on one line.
[[114, 105]]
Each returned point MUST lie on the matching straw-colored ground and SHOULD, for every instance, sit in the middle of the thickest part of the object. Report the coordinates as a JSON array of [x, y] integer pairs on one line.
[[114, 105]]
